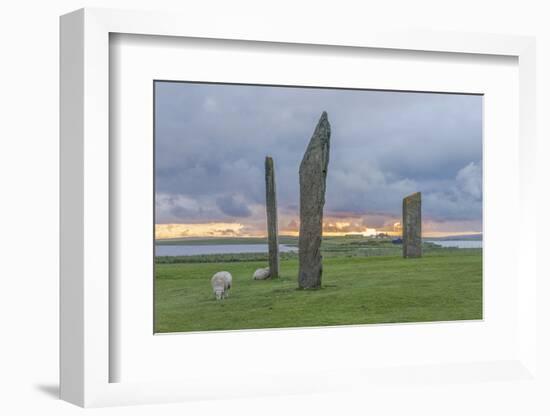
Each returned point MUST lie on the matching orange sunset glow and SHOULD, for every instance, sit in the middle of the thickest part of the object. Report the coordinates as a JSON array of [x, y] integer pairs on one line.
[[331, 228], [212, 229]]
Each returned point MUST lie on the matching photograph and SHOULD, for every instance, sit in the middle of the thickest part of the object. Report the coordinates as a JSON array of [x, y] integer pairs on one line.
[[281, 206]]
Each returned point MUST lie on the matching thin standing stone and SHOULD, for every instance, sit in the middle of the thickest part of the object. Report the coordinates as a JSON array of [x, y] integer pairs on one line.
[[412, 226], [272, 225], [313, 174]]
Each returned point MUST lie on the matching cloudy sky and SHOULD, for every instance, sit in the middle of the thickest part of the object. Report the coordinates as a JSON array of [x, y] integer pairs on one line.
[[211, 141]]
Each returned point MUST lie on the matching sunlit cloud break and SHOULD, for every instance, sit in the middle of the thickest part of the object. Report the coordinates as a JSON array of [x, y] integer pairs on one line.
[[222, 229], [330, 228], [213, 229]]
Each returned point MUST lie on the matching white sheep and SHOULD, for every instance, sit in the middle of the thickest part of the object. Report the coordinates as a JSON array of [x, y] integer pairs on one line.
[[221, 283], [261, 274]]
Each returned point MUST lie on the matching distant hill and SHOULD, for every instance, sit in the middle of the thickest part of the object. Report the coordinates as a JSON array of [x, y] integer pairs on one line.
[[465, 237]]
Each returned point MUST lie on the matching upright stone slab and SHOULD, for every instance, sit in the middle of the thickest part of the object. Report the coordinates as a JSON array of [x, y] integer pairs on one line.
[[412, 226], [313, 174], [272, 225]]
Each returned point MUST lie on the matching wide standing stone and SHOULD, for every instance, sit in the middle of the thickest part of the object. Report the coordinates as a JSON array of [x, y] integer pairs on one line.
[[313, 174], [272, 226], [412, 225]]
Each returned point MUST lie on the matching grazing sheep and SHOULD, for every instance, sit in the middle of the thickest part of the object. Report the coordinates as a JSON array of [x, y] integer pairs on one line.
[[221, 283], [262, 274]]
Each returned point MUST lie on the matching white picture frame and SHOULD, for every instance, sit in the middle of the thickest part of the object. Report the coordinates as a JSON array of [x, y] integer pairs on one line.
[[85, 208], [138, 60]]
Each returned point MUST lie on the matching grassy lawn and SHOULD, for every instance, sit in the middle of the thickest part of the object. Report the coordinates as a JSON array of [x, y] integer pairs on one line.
[[443, 285]]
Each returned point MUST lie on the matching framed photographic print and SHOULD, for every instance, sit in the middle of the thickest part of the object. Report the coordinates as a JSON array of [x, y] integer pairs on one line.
[[330, 212]]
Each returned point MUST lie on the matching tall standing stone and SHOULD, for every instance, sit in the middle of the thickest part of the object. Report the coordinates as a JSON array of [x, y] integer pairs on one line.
[[412, 226], [313, 174], [272, 225]]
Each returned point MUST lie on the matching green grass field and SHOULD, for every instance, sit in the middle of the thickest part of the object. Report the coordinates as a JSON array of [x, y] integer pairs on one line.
[[358, 288]]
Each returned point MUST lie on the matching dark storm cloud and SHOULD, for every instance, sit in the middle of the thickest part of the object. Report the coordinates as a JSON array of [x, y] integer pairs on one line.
[[232, 207], [211, 141]]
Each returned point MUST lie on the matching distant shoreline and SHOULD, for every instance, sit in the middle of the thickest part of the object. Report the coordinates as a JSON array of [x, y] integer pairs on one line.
[[466, 237], [288, 239]]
